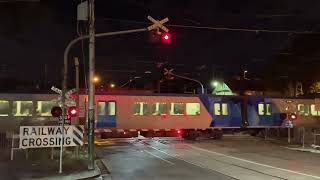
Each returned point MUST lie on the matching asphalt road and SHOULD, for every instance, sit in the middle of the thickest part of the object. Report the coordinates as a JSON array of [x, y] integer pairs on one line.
[[137, 160], [226, 159]]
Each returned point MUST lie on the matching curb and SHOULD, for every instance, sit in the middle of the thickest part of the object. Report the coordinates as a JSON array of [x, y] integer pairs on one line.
[[76, 175]]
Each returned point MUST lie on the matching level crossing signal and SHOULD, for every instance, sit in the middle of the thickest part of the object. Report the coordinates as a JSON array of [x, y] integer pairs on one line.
[[293, 116], [56, 111], [73, 111], [166, 38]]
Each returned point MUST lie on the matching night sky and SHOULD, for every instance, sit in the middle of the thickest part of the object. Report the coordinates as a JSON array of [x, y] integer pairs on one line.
[[34, 34]]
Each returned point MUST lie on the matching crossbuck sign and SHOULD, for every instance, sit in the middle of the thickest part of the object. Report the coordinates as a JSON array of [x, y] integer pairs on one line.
[[158, 24]]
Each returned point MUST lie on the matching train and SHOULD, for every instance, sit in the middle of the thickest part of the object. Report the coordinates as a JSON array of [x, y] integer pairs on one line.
[[160, 114]]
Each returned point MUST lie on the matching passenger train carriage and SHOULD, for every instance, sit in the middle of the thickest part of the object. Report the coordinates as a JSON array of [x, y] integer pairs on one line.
[[163, 112]]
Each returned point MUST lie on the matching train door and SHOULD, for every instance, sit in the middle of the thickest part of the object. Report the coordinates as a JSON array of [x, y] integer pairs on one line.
[[226, 112], [106, 114], [259, 112]]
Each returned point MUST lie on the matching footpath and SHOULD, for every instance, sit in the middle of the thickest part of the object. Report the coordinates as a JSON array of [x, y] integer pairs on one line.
[[37, 164]]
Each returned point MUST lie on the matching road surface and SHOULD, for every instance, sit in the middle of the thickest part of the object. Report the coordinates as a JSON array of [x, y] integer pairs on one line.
[[168, 158]]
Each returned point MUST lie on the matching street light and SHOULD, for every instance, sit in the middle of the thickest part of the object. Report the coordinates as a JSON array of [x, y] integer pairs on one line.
[[130, 80], [96, 79], [214, 83], [112, 85]]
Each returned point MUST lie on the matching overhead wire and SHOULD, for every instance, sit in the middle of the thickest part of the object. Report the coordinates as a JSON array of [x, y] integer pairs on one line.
[[211, 27]]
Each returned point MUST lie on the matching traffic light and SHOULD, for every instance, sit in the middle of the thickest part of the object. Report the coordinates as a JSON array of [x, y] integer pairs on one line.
[[166, 37], [73, 111], [56, 111], [293, 116]]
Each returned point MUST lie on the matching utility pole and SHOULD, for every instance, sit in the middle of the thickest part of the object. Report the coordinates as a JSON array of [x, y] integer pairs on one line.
[[91, 37], [91, 85], [76, 63]]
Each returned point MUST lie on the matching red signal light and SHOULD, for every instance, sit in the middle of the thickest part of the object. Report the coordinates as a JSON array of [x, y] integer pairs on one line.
[[179, 131], [293, 116], [166, 38], [73, 111]]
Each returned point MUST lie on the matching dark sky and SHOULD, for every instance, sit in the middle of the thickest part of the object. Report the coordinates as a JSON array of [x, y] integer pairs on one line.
[[35, 34]]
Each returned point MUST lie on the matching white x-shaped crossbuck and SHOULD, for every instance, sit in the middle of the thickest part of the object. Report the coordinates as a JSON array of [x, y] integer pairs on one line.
[[158, 24]]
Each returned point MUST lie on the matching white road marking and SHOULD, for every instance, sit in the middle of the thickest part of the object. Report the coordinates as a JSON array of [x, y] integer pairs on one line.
[[190, 162], [252, 162], [159, 157]]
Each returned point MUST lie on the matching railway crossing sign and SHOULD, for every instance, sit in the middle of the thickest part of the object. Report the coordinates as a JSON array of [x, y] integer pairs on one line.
[[158, 24], [69, 100], [50, 136], [57, 90], [68, 93], [168, 73]]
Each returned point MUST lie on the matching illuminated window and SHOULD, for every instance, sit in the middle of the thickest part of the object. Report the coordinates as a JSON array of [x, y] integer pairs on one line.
[[159, 109], [264, 109], [111, 108], [4, 108], [313, 110], [268, 109], [22, 108], [220, 109], [44, 108], [177, 109], [101, 108], [224, 109], [140, 108], [261, 109], [193, 109], [307, 110], [217, 108], [301, 109]]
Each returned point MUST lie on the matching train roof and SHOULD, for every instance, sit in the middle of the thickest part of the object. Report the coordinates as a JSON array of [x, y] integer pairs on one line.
[[11, 94]]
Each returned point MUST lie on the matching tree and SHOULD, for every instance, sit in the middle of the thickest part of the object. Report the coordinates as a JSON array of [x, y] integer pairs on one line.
[[315, 87]]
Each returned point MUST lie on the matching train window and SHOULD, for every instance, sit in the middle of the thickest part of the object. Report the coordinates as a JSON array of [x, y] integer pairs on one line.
[[140, 108], [101, 108], [159, 108], [313, 110], [217, 108], [300, 109], [307, 110], [4, 108], [193, 109], [177, 109], [261, 109], [224, 107], [44, 108], [264, 109], [22, 108], [111, 108], [268, 109]]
